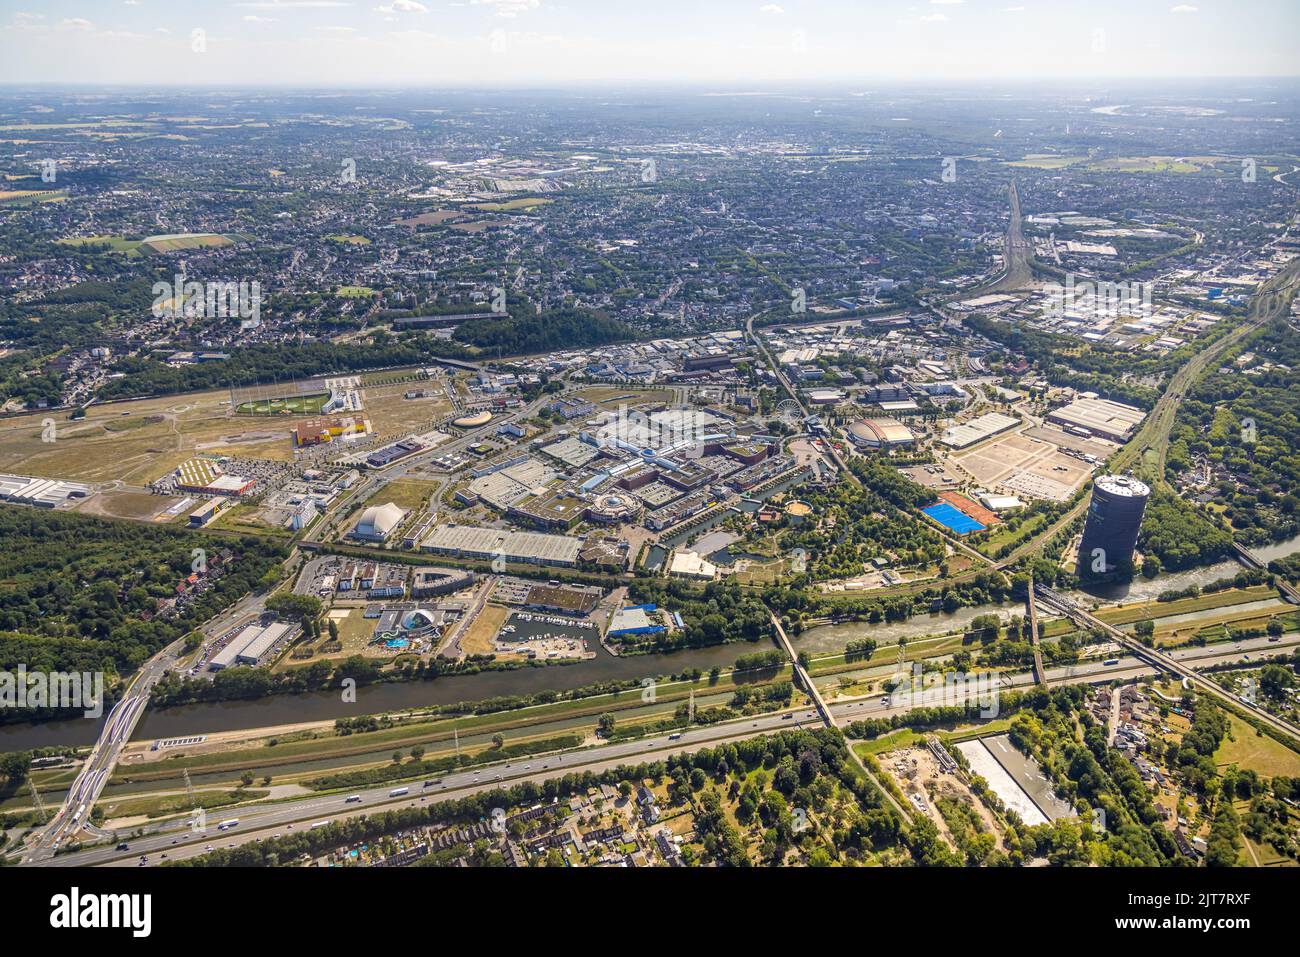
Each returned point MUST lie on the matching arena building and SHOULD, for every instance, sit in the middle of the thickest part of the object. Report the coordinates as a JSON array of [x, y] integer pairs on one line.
[[880, 434]]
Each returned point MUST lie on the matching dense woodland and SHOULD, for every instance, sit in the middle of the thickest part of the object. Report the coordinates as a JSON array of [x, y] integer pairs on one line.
[[83, 594], [1243, 422]]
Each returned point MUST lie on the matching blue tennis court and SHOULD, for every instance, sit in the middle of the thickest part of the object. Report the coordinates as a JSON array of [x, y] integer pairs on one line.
[[953, 518]]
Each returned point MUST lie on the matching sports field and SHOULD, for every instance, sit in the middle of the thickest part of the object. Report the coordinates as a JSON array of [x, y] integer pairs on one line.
[[299, 405], [953, 519]]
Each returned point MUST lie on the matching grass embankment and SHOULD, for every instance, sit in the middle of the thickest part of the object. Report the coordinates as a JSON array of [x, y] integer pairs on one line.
[[279, 755]]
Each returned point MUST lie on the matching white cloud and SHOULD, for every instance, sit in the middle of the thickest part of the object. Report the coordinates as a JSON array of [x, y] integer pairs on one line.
[[771, 8], [403, 6], [77, 23], [508, 8], [292, 4], [1184, 8]]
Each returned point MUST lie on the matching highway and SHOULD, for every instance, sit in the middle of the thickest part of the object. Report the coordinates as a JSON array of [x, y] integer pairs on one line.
[[1165, 661], [1018, 256], [118, 727], [176, 840]]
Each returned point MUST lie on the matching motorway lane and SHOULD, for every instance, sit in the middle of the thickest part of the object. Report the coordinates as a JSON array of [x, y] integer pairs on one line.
[[335, 807], [118, 728], [271, 819]]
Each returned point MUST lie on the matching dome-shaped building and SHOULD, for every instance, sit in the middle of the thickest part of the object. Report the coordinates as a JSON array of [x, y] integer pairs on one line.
[[378, 522]]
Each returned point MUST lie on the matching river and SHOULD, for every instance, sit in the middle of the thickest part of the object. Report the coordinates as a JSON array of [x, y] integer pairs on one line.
[[210, 718], [400, 696]]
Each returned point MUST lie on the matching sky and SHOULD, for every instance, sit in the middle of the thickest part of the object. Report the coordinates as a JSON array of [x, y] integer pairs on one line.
[[553, 43]]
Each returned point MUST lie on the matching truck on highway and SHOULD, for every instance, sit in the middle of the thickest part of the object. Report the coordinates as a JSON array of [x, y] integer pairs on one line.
[[354, 799], [227, 825], [318, 824], [1110, 662], [398, 792]]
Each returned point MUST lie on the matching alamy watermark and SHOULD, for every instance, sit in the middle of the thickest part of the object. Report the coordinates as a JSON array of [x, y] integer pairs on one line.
[[1129, 300], [953, 689], [209, 300], [652, 436], [64, 690]]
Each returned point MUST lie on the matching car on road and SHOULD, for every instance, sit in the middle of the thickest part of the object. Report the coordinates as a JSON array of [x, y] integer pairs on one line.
[[124, 846]]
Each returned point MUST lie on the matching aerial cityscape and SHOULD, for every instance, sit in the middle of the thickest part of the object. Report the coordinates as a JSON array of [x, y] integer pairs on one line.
[[778, 465]]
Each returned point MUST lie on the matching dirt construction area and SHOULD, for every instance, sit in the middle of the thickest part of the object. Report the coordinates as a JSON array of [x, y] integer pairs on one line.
[[394, 416], [924, 784], [1025, 465], [137, 442]]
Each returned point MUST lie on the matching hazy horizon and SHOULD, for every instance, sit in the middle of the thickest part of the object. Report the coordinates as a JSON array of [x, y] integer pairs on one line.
[[504, 44]]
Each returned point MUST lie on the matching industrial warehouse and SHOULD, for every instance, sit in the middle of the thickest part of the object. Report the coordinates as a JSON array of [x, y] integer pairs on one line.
[[1088, 416], [251, 646], [44, 493], [985, 427], [486, 544]]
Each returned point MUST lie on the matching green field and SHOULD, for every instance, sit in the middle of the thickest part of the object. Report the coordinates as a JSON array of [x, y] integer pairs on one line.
[[1042, 161], [116, 244], [300, 405], [410, 494], [1145, 164], [25, 197], [1248, 749]]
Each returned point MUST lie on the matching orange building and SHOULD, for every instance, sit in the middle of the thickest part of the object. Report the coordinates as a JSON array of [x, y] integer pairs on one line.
[[322, 430]]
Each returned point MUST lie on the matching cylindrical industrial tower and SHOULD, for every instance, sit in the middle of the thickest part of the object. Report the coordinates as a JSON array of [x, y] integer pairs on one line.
[[1114, 521]]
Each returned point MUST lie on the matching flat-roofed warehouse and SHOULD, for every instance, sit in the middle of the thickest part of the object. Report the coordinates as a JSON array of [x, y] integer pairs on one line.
[[1101, 417], [46, 493], [985, 427], [227, 655], [530, 548], [566, 601], [262, 643]]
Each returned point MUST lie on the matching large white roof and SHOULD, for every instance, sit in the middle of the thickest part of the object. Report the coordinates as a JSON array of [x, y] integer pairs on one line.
[[380, 519]]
